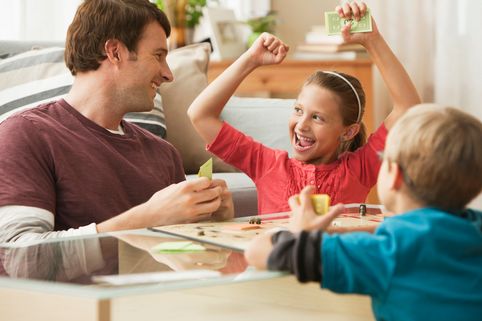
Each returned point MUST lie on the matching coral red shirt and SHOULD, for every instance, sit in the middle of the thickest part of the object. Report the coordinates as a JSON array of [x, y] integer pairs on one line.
[[277, 177]]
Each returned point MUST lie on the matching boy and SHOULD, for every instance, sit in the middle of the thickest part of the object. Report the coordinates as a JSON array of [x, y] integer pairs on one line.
[[425, 264]]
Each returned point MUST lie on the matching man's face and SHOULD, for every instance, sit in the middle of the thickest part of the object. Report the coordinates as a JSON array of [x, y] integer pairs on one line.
[[145, 70]]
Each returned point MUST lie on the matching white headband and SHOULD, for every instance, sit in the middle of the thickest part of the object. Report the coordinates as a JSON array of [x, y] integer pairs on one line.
[[358, 119]]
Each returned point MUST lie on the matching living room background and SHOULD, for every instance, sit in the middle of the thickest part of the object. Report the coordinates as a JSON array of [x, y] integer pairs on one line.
[[438, 41]]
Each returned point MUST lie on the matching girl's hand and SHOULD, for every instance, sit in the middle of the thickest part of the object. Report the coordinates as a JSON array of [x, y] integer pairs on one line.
[[267, 50], [355, 10], [304, 217]]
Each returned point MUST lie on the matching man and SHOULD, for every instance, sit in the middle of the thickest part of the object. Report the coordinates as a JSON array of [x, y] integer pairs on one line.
[[74, 166]]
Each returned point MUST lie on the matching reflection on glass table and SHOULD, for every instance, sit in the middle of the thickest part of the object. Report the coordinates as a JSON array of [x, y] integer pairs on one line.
[[135, 260]]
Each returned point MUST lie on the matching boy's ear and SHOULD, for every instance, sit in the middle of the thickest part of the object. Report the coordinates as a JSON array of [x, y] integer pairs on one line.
[[351, 132], [397, 176]]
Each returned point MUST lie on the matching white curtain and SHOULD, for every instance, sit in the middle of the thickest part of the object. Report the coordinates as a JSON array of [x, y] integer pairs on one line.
[[408, 28], [458, 64], [439, 42]]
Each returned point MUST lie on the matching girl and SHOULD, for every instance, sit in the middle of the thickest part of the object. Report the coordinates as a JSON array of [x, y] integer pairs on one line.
[[326, 129]]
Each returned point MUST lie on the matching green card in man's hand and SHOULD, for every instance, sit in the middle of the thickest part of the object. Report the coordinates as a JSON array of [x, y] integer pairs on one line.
[[333, 23], [206, 169]]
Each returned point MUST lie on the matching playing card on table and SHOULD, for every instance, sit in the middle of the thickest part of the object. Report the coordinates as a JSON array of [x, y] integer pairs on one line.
[[333, 23], [206, 169]]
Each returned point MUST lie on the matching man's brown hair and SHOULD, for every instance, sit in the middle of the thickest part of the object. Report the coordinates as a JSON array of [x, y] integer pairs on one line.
[[439, 149], [97, 21]]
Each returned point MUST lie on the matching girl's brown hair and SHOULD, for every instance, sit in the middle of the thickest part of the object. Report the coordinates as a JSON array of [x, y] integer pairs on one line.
[[348, 103], [97, 21]]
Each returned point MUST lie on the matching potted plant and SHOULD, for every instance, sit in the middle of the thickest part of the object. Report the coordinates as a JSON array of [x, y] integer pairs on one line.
[[184, 16], [259, 25]]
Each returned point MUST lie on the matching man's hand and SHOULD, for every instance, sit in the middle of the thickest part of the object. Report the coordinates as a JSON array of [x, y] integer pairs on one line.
[[226, 209], [185, 202], [304, 217], [267, 50]]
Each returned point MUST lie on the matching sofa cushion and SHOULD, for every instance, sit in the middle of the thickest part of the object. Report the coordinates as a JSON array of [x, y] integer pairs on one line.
[[39, 76], [264, 119], [10, 48], [189, 66]]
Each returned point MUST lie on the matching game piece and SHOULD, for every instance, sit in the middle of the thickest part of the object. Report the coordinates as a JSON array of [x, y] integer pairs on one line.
[[206, 169], [254, 220], [363, 209], [333, 23]]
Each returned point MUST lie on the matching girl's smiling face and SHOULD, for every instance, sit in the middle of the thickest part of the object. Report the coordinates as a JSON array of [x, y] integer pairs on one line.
[[316, 125]]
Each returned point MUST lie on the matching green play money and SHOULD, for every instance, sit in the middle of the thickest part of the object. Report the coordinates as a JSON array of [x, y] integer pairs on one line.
[[206, 169], [333, 23]]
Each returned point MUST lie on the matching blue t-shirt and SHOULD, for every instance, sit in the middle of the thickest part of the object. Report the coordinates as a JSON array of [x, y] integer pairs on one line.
[[422, 265]]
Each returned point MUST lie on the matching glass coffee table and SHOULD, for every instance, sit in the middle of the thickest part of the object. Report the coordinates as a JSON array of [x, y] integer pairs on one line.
[[144, 274]]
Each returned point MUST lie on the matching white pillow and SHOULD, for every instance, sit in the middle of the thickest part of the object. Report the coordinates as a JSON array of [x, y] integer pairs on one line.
[[40, 76]]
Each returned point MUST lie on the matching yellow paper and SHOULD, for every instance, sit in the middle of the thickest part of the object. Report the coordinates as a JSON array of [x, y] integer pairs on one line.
[[320, 202], [206, 169]]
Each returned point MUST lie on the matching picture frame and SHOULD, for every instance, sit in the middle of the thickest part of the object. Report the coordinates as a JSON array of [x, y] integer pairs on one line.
[[226, 33]]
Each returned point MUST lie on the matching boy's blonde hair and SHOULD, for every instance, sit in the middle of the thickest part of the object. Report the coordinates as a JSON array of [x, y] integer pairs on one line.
[[439, 150]]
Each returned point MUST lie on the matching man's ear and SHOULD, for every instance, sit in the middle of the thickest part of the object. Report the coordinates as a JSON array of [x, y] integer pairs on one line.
[[351, 132], [113, 50]]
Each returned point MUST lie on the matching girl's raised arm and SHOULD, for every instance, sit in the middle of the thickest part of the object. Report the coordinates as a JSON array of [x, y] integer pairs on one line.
[[205, 110]]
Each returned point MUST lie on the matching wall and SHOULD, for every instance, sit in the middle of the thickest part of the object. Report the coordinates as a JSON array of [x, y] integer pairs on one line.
[[297, 17]]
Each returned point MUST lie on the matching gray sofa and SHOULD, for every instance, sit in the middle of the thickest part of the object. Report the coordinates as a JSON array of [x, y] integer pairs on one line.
[[262, 118]]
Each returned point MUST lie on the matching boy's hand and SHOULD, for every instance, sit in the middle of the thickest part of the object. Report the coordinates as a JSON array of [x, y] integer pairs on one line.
[[267, 50], [304, 217], [258, 250], [355, 10]]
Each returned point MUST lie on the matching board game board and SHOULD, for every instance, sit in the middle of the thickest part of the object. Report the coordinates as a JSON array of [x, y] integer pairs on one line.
[[236, 234]]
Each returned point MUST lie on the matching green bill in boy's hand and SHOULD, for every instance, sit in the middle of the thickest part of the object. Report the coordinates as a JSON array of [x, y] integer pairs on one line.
[[333, 23], [206, 169]]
